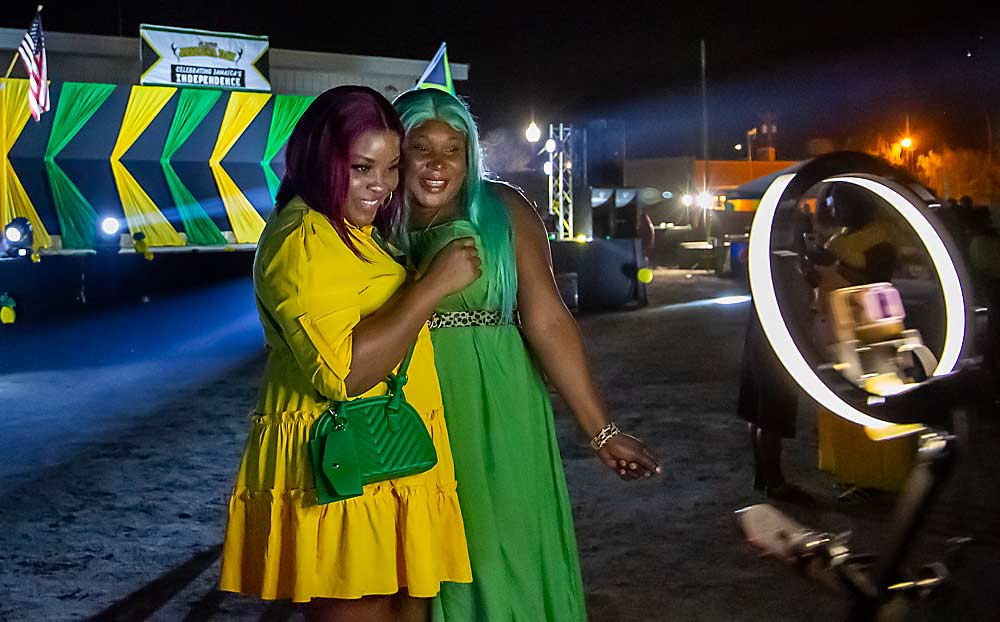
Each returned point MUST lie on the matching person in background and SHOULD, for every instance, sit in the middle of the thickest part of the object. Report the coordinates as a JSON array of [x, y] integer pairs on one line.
[[768, 397], [647, 236]]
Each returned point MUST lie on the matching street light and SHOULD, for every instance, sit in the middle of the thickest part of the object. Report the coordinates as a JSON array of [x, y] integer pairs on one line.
[[533, 134], [907, 144]]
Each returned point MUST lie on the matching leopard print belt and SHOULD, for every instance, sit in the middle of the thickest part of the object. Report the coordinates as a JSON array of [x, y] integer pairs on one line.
[[479, 317]]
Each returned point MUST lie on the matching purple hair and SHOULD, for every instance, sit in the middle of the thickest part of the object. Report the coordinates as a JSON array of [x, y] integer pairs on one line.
[[317, 158]]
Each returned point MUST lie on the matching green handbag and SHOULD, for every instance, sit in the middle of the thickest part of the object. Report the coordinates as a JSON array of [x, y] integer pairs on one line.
[[368, 440]]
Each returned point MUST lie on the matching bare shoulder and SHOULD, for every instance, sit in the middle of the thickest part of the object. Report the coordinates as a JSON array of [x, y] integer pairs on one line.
[[523, 214]]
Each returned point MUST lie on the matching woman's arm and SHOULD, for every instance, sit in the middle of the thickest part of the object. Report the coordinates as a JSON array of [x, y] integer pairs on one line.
[[553, 336], [381, 339]]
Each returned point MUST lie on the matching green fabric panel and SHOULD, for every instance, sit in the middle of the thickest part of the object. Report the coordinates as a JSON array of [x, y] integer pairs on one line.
[[192, 107], [200, 229], [272, 180], [78, 101], [287, 110], [77, 219]]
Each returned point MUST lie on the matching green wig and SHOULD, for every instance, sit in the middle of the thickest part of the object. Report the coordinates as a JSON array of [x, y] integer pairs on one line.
[[478, 201]]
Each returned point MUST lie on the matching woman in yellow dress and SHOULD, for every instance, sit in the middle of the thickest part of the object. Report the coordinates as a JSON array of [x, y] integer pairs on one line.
[[338, 315]]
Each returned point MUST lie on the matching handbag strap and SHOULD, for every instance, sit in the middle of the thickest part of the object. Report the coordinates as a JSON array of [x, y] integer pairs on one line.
[[395, 381]]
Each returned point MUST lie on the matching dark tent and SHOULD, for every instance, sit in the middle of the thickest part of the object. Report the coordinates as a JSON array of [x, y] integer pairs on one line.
[[755, 188]]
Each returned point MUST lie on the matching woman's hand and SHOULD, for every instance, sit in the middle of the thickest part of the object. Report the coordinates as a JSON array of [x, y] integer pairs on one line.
[[629, 457], [455, 267]]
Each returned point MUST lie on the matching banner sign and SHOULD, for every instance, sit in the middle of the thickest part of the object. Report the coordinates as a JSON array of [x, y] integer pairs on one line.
[[218, 60]]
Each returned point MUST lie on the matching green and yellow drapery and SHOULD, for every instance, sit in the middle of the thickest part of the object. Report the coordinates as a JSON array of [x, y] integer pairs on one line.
[[141, 213], [192, 107], [78, 101], [287, 110], [241, 110], [14, 200]]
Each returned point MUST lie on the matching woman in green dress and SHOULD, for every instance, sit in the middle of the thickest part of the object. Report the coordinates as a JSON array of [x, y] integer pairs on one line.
[[492, 342]]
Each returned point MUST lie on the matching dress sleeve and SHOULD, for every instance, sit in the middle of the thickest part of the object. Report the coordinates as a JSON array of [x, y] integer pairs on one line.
[[310, 288]]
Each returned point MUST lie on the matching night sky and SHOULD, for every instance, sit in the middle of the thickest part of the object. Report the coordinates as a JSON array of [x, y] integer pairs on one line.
[[842, 71]]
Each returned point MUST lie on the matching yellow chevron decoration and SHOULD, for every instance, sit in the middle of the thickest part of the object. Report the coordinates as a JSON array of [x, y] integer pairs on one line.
[[14, 201], [130, 128], [141, 213], [241, 109]]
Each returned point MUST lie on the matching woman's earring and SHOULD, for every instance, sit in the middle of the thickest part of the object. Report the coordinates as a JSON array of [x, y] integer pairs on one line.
[[387, 201]]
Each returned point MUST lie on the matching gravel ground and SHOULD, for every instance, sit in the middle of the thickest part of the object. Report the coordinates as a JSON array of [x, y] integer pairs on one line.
[[129, 527]]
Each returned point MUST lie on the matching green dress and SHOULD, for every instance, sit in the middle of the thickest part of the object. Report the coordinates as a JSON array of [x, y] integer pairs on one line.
[[511, 485]]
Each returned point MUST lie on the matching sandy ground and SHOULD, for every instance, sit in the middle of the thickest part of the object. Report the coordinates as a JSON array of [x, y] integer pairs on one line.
[[127, 525]]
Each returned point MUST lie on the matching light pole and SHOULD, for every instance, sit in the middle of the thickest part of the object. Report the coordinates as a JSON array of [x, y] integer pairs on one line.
[[906, 143]]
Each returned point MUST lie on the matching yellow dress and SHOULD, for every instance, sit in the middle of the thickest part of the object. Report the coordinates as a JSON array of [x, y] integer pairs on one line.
[[279, 544]]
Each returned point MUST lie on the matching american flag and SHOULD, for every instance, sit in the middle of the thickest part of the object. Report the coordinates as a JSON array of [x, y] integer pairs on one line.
[[32, 51]]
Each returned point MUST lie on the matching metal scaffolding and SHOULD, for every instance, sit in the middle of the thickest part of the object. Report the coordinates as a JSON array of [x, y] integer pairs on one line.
[[560, 173]]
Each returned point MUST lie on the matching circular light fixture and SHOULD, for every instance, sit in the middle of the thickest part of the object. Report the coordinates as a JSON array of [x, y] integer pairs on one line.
[[550, 145], [769, 313], [547, 168], [18, 231], [687, 200], [110, 225]]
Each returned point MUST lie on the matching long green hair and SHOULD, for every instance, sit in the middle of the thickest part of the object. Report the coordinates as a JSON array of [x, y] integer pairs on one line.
[[478, 202]]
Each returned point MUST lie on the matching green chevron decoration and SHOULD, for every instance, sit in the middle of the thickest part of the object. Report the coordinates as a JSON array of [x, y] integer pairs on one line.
[[77, 219], [287, 111], [192, 107]]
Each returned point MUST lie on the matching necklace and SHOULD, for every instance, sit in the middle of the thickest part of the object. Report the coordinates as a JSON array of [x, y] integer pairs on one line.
[[432, 220]]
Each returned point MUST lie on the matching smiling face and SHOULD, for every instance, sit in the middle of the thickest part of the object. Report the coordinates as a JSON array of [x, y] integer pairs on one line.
[[436, 165], [374, 166]]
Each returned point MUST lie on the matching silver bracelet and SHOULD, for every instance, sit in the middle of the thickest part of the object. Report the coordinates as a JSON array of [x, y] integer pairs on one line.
[[607, 433]]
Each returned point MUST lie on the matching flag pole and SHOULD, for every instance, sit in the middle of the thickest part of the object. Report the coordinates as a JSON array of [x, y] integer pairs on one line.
[[13, 61]]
